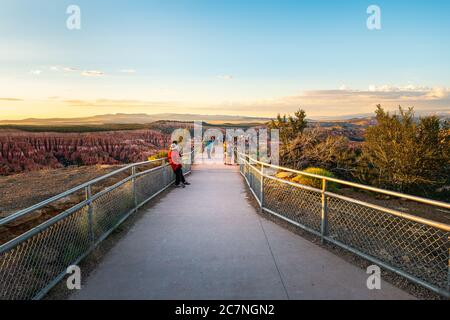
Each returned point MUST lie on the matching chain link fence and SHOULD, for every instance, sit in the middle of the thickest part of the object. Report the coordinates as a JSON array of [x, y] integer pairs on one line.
[[415, 248], [34, 262], [254, 181]]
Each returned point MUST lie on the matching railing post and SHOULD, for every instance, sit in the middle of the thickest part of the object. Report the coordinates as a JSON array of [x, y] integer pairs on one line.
[[448, 267], [247, 166], [164, 173], [262, 188], [88, 192], [133, 180], [324, 217]]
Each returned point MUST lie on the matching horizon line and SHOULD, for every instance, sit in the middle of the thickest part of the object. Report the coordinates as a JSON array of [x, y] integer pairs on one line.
[[313, 118]]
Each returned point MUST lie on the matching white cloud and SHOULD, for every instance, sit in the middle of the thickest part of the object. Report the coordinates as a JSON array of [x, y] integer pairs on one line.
[[70, 69], [410, 92], [36, 72], [86, 73], [63, 69], [438, 93], [92, 73], [225, 77], [344, 101], [391, 88], [128, 71]]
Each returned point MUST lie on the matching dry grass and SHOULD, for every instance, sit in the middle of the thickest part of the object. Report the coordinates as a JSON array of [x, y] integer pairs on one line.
[[24, 190]]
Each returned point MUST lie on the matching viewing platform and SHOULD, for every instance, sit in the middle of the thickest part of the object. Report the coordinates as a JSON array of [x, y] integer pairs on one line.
[[213, 240], [207, 241]]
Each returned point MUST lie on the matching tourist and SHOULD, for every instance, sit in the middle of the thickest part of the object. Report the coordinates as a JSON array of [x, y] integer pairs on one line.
[[175, 161]]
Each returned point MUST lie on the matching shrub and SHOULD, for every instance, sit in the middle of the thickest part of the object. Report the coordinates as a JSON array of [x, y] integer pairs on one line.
[[315, 182], [314, 148], [160, 155], [290, 127], [404, 153], [284, 175]]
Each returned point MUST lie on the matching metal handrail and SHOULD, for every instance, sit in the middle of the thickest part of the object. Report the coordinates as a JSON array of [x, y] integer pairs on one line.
[[397, 213], [69, 236], [253, 170], [23, 212], [353, 184]]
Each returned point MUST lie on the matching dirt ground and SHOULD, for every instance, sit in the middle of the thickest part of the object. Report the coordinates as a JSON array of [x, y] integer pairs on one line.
[[24, 190], [405, 206], [414, 208]]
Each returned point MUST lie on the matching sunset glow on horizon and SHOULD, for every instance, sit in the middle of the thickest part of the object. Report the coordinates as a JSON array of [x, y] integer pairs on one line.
[[222, 57]]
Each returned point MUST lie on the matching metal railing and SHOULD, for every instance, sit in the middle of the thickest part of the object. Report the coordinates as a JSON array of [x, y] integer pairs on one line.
[[35, 261], [411, 246]]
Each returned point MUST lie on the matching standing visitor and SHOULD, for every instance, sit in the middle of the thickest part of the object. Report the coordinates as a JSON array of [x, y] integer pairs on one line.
[[213, 147], [209, 145], [225, 158], [175, 162], [235, 151]]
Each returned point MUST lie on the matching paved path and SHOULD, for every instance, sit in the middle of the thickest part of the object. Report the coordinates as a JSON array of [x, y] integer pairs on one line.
[[208, 242]]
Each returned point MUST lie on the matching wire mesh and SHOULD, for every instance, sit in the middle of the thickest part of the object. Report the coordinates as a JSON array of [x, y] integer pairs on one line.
[[411, 248], [30, 266], [254, 179], [32, 263], [299, 205], [416, 248], [111, 207]]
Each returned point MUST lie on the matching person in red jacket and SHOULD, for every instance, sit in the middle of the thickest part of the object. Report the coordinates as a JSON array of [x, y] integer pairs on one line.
[[175, 161]]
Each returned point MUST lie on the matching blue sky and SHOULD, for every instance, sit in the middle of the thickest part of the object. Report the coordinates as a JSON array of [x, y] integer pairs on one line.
[[222, 56]]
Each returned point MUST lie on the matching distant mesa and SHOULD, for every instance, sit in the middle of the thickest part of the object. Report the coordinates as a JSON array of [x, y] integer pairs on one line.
[[122, 118], [143, 118]]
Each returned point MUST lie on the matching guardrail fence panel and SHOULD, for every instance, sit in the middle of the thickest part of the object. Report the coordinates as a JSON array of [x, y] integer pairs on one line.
[[34, 262], [299, 205], [413, 247], [149, 184], [111, 207], [418, 249]]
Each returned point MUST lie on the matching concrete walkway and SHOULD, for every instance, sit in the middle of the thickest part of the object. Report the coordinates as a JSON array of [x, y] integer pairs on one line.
[[208, 242]]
